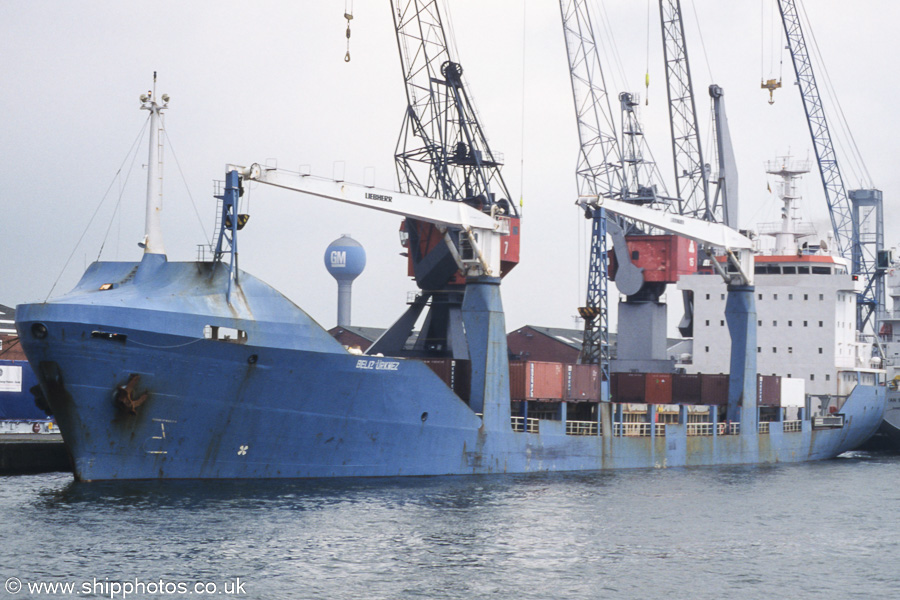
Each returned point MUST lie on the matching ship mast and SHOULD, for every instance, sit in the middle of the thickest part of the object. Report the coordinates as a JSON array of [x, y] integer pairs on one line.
[[789, 171], [153, 242]]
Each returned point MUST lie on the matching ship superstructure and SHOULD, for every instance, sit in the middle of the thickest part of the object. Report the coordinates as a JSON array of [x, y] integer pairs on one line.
[[806, 308]]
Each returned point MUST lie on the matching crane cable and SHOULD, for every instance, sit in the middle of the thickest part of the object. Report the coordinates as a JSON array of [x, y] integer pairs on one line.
[[134, 145], [702, 43], [348, 14], [647, 56], [522, 125]]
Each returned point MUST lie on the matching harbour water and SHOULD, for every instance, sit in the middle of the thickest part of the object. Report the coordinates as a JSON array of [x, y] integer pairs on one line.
[[819, 530]]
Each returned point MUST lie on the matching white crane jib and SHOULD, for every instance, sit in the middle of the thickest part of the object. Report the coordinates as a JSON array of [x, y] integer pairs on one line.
[[479, 249], [738, 247], [740, 309]]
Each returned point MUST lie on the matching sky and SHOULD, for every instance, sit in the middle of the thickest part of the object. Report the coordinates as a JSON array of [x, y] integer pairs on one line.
[[268, 82]]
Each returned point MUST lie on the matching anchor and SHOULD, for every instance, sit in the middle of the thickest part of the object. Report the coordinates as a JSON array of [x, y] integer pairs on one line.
[[124, 395]]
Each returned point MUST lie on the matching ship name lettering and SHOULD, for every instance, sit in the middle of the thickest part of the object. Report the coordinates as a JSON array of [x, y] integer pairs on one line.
[[377, 365], [379, 197]]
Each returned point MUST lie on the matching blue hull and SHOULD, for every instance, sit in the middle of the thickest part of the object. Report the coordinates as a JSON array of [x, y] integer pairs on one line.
[[290, 402]]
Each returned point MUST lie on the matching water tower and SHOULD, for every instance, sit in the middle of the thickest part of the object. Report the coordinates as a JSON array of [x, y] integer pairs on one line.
[[345, 259]]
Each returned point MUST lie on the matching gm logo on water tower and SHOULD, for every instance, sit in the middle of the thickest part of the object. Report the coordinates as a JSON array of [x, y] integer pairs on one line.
[[338, 258], [345, 258]]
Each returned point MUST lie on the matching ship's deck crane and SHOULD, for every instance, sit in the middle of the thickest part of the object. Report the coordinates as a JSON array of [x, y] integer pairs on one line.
[[849, 212], [740, 308], [456, 208], [482, 230], [483, 332]]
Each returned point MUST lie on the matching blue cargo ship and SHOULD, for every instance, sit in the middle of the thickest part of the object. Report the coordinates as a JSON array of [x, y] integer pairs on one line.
[[281, 398], [159, 370]]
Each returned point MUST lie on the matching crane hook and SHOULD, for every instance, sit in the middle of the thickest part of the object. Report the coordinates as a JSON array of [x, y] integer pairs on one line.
[[348, 14]]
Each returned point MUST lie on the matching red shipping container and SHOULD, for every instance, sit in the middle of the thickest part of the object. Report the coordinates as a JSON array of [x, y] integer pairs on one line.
[[663, 257], [658, 388], [453, 372], [442, 368], [517, 385], [714, 389], [768, 390], [686, 388], [629, 388], [582, 383], [533, 380]]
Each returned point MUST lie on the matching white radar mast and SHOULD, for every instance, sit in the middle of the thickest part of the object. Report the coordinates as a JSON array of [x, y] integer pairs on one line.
[[153, 242]]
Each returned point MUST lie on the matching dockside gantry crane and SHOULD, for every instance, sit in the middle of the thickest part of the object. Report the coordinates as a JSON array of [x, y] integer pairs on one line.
[[442, 153], [850, 212], [599, 171]]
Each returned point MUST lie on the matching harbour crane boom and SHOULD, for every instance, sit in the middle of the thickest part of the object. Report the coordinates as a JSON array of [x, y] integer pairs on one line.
[[691, 173]]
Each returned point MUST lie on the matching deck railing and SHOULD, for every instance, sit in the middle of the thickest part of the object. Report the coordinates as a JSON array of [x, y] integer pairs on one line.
[[519, 424], [581, 428], [695, 429], [638, 430], [792, 426], [643, 429]]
